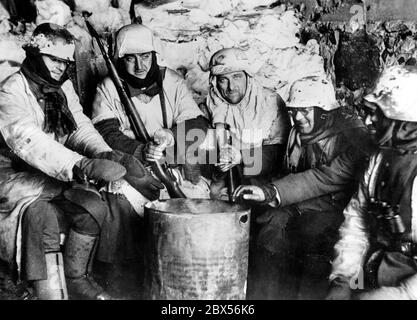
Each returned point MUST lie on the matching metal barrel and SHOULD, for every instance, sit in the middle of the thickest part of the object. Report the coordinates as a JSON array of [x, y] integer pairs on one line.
[[196, 249]]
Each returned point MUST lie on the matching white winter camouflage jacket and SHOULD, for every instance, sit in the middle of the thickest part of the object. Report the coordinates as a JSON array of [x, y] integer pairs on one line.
[[354, 238], [21, 123]]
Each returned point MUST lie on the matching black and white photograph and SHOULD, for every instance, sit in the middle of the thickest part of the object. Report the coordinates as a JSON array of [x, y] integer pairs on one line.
[[211, 155]]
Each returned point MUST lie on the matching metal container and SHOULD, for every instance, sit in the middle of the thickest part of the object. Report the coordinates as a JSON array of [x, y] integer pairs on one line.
[[196, 249]]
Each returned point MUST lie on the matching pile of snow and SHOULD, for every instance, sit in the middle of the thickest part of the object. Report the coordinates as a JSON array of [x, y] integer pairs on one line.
[[104, 18], [11, 54], [92, 5], [190, 32], [4, 19], [53, 11]]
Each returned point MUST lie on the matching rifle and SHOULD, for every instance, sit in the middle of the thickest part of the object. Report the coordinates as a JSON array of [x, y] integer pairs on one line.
[[138, 127], [231, 187]]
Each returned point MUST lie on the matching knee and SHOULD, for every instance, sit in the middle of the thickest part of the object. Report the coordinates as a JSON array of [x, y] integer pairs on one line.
[[84, 223], [85, 211], [40, 214]]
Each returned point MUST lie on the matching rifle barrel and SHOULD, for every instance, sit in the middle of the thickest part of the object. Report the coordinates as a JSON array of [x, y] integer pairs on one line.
[[136, 122]]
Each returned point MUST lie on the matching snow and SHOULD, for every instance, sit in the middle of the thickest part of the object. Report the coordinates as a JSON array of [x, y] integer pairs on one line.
[[190, 32], [53, 11], [92, 6]]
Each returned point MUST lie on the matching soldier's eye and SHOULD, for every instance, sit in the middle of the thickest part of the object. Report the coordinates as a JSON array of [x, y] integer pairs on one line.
[[145, 56]]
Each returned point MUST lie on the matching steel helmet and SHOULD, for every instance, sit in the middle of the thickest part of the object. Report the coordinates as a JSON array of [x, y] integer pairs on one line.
[[313, 91], [134, 38], [395, 93], [52, 39], [229, 60]]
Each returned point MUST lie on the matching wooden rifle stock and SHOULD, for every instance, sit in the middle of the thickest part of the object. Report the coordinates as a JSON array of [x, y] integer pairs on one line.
[[138, 127]]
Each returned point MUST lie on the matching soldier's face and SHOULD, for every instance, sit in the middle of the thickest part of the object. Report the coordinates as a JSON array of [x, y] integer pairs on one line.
[[138, 64], [303, 119], [375, 120], [232, 86], [55, 66]]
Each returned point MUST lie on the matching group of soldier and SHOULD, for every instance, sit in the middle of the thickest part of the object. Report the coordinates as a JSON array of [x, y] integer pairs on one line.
[[331, 189]]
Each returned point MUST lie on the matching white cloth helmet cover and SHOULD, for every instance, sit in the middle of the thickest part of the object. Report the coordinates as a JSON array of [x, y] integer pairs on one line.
[[133, 39], [53, 40], [229, 60], [395, 93], [313, 91]]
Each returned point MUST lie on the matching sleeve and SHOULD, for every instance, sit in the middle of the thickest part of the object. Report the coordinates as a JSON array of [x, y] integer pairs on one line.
[[86, 139], [27, 140], [351, 249], [185, 106], [409, 285], [109, 129], [325, 179]]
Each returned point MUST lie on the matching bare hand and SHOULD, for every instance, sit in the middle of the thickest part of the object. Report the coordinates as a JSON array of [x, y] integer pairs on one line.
[[154, 152], [164, 136], [229, 157], [162, 139]]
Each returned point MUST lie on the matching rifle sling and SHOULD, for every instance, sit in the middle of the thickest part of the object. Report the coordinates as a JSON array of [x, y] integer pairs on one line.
[[163, 108]]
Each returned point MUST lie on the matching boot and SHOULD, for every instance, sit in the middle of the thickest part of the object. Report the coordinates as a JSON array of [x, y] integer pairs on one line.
[[78, 259], [54, 287]]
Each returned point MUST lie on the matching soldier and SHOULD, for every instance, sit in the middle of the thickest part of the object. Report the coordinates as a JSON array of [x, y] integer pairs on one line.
[[377, 249], [162, 100], [49, 152], [254, 115], [296, 235]]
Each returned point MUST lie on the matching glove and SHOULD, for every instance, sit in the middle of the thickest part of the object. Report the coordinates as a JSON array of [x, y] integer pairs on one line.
[[100, 169], [137, 175], [262, 195], [140, 178], [339, 290]]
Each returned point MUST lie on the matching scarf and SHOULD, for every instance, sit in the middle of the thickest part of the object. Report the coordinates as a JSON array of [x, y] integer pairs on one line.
[[251, 120], [150, 86], [301, 145], [58, 118]]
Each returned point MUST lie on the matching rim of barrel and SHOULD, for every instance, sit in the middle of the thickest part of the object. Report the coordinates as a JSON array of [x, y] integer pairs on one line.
[[225, 206]]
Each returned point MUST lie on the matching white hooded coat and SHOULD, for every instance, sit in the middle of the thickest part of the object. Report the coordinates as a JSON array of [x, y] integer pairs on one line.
[[21, 123]]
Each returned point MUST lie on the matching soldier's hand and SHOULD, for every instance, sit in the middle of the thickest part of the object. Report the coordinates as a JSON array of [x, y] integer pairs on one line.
[[101, 169], [154, 152], [164, 136], [252, 193], [228, 158], [263, 195], [162, 139], [136, 174]]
